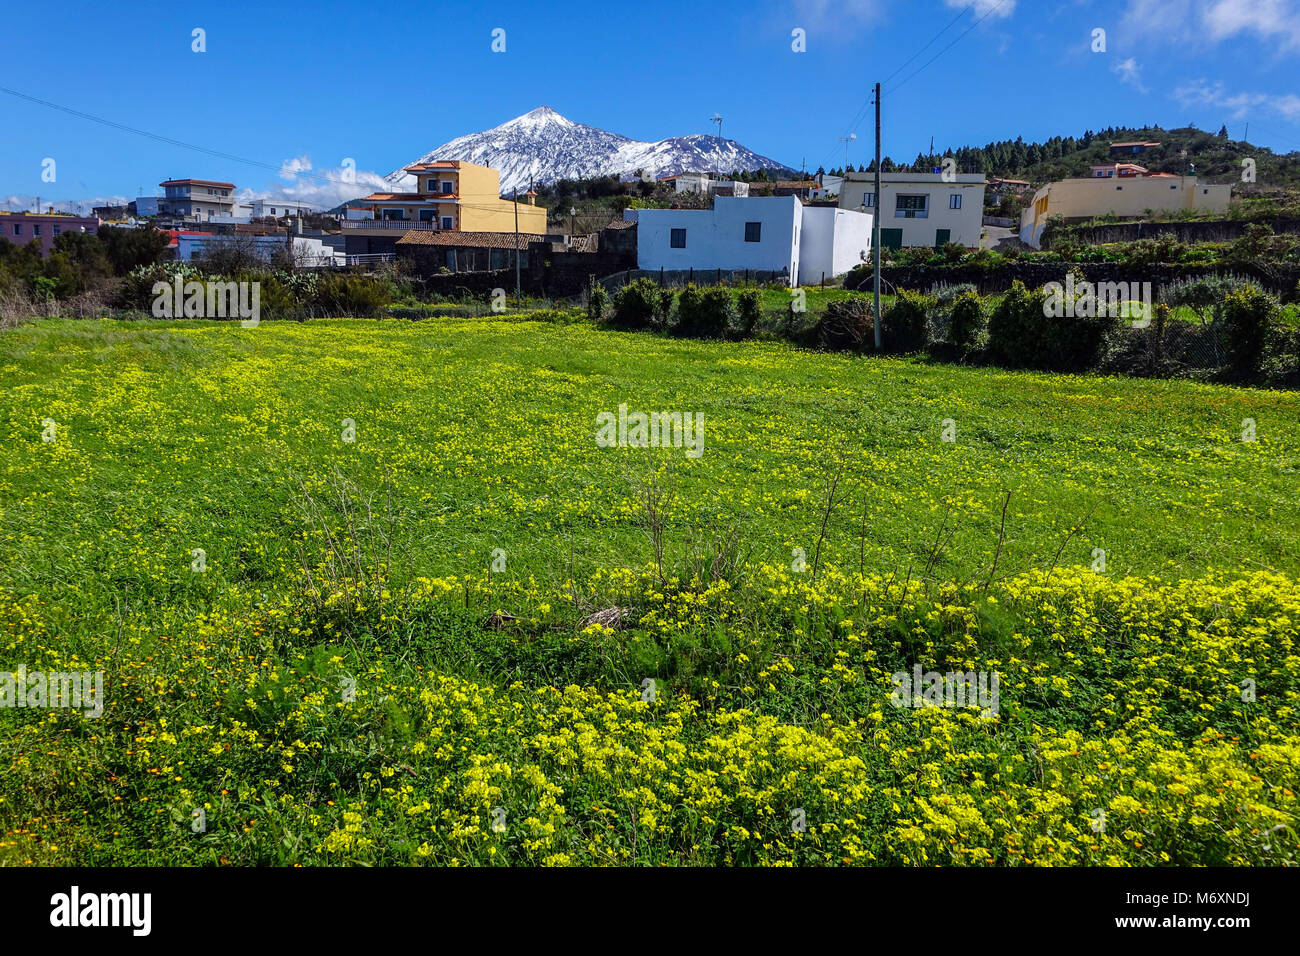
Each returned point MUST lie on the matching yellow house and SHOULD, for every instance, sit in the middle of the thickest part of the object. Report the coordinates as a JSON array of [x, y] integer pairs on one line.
[[451, 195], [1119, 189]]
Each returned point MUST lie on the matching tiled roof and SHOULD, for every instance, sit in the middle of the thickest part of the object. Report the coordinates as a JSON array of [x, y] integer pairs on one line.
[[622, 224], [477, 240], [439, 164], [797, 184]]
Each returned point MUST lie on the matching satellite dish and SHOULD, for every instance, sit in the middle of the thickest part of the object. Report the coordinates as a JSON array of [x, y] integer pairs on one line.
[[131, 221]]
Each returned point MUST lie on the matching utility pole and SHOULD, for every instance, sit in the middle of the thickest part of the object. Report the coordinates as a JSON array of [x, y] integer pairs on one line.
[[717, 118], [875, 228], [517, 295]]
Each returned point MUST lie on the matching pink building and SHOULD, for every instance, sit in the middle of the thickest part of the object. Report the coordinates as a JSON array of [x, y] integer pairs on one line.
[[21, 228]]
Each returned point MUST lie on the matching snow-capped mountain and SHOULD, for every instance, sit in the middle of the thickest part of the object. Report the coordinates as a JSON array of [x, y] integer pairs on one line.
[[542, 146]]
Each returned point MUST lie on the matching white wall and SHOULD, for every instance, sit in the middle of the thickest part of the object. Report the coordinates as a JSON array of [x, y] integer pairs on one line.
[[832, 242], [964, 224], [715, 238], [307, 250], [280, 207]]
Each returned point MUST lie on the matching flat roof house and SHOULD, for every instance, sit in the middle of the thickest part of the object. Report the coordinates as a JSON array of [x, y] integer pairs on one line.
[[196, 199], [1119, 189], [920, 209], [20, 228], [759, 234], [450, 196]]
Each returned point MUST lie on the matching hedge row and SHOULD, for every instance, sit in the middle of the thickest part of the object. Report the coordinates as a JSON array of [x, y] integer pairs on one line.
[[1242, 336]]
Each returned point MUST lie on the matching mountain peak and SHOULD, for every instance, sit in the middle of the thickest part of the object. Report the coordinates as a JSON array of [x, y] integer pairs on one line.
[[542, 146], [542, 116]]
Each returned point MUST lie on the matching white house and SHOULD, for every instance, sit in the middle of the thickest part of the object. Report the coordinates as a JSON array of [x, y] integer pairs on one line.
[[308, 251], [753, 232], [278, 208], [834, 241], [828, 186], [920, 209], [760, 233], [706, 184]]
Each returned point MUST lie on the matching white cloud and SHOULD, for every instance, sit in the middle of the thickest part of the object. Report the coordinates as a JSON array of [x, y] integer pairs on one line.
[[1267, 19], [326, 187], [830, 14], [998, 9], [1130, 72], [1213, 21], [1239, 105], [290, 168]]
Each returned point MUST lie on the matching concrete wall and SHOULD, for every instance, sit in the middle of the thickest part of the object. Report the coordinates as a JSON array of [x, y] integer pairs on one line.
[[964, 224], [715, 238], [21, 228], [1119, 196], [832, 242]]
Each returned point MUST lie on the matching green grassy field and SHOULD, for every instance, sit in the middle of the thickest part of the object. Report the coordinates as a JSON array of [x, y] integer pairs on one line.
[[350, 485]]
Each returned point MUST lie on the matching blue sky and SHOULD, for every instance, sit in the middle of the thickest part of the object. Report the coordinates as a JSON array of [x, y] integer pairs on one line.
[[307, 85]]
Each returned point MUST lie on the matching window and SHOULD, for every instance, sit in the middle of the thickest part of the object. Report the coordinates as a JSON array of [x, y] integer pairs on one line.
[[393, 214], [869, 200], [911, 207], [36, 229], [57, 230], [954, 201], [18, 229], [1119, 187], [753, 232], [448, 222], [677, 239], [447, 187], [427, 215]]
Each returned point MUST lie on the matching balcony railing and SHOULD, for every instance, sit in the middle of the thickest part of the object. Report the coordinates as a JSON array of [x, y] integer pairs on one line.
[[403, 224]]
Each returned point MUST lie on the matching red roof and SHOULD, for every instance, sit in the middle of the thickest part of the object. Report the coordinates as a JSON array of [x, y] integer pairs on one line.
[[447, 164]]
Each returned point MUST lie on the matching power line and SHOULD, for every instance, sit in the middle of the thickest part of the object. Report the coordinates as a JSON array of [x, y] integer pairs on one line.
[[322, 179], [992, 10], [861, 112], [103, 121]]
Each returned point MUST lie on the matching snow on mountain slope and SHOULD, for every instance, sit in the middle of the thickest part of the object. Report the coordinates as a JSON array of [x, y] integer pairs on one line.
[[542, 146]]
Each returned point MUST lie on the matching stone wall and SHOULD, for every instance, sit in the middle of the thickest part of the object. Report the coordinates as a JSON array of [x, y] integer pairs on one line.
[[1279, 279], [1219, 230]]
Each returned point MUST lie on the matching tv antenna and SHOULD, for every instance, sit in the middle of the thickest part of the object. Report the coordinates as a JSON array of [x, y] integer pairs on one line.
[[846, 140]]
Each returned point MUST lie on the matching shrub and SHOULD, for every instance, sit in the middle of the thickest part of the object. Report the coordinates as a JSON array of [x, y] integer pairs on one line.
[[704, 312], [1025, 333], [1016, 328], [1205, 295], [749, 309], [350, 294], [847, 324], [1249, 318], [966, 321], [597, 297], [641, 304], [903, 325]]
